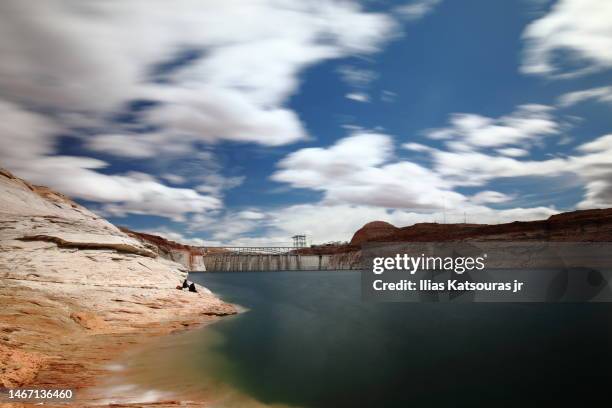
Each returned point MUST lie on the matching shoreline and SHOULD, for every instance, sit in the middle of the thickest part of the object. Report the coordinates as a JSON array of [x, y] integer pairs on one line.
[[130, 343], [113, 387], [76, 291], [82, 359]]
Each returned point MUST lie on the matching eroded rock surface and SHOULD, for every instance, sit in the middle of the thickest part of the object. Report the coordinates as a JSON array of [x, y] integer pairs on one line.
[[74, 288], [189, 256]]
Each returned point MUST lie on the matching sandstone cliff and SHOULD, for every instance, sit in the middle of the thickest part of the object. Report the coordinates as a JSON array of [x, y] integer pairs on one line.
[[73, 287], [190, 257]]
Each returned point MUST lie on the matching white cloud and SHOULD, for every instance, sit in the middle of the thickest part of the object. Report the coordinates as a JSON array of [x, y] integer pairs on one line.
[[591, 163], [215, 183], [477, 168], [209, 114], [139, 145], [268, 240], [416, 9], [512, 151], [100, 55], [179, 237], [357, 77], [246, 58], [467, 161], [121, 193], [598, 194], [387, 96], [601, 144], [417, 147], [595, 167], [358, 97], [325, 222], [223, 228], [525, 125], [27, 147], [251, 215], [578, 30], [361, 170], [601, 94], [356, 170], [24, 135], [313, 166], [359, 80], [173, 178], [493, 197]]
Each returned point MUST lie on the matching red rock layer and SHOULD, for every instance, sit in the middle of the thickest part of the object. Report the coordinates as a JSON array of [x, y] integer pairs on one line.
[[187, 255], [576, 226]]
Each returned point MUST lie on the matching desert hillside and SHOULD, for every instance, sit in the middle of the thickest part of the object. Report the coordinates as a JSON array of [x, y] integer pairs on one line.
[[75, 289]]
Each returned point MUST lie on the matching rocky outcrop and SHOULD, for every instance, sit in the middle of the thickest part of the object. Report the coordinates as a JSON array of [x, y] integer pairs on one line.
[[73, 287], [190, 257], [371, 231], [576, 226]]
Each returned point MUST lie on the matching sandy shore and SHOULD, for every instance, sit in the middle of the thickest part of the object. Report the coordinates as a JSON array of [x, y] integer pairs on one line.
[[51, 342]]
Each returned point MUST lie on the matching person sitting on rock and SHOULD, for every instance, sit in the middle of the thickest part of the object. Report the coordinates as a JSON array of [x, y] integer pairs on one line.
[[185, 285], [192, 287]]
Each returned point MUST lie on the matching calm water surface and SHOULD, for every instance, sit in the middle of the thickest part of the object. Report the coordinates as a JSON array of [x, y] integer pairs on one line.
[[308, 340]]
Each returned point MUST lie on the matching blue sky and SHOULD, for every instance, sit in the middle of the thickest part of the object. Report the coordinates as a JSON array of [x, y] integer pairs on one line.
[[250, 121]]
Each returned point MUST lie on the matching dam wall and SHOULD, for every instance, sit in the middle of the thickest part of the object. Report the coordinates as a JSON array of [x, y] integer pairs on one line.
[[231, 262]]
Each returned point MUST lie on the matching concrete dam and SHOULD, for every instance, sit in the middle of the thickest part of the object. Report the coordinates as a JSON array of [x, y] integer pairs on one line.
[[258, 259]]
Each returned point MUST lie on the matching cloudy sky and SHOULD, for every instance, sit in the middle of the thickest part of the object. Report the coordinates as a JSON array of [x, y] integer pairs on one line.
[[245, 122]]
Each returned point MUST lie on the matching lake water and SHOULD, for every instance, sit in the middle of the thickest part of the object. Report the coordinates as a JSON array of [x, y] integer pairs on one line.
[[308, 340]]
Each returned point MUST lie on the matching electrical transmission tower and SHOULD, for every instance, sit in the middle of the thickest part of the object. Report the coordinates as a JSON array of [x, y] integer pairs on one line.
[[299, 241]]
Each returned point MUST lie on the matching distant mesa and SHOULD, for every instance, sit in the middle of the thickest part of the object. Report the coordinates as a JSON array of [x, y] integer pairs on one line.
[[372, 231], [584, 225]]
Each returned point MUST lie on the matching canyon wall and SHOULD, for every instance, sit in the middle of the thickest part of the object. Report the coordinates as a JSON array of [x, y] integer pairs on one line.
[[190, 257]]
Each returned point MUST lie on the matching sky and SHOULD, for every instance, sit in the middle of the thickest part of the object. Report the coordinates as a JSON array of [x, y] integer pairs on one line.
[[244, 122]]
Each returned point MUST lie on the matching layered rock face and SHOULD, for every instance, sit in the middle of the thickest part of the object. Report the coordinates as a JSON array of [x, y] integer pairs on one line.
[[577, 226], [190, 257], [67, 275]]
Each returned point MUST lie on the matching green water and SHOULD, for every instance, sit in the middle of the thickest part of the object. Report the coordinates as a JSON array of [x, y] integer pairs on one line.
[[308, 340]]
